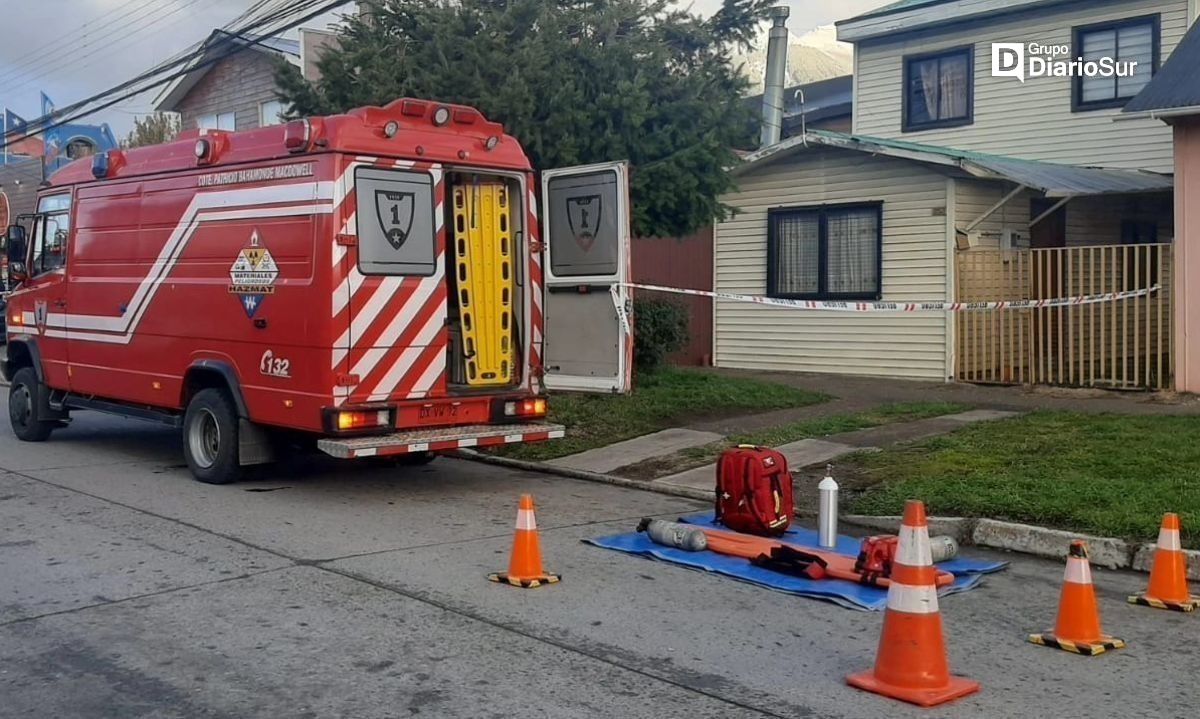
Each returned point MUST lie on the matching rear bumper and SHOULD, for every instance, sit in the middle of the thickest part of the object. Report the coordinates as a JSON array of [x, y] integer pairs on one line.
[[438, 439]]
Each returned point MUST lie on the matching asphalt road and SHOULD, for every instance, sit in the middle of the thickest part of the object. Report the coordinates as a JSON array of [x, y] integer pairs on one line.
[[338, 590]]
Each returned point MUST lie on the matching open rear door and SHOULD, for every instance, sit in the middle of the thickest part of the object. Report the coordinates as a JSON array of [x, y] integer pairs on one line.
[[588, 343]]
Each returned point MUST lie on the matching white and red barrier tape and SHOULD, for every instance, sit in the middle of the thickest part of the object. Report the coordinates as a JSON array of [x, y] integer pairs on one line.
[[832, 306]]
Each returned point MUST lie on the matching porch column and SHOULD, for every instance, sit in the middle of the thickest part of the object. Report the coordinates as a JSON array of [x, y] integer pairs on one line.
[[1186, 270]]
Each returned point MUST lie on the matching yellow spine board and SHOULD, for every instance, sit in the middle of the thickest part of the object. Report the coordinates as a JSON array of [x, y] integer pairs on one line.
[[483, 261]]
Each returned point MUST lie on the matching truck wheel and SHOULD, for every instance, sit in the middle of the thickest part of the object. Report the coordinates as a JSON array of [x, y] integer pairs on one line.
[[210, 441], [24, 399]]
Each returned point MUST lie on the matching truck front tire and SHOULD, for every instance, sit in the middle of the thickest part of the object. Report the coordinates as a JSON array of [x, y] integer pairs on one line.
[[24, 403], [210, 437]]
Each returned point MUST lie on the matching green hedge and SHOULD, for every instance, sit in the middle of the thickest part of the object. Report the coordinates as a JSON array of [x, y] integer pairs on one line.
[[660, 328]]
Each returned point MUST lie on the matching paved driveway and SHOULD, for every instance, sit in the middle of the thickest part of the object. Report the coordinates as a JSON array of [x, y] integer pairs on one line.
[[340, 590]]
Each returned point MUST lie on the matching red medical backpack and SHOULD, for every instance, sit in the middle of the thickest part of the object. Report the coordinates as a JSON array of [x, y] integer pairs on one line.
[[754, 491]]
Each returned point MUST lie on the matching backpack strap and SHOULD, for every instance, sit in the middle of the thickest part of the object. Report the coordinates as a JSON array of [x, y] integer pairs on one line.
[[789, 560]]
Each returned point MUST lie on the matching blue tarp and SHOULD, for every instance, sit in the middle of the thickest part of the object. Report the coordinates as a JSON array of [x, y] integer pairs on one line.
[[968, 572]]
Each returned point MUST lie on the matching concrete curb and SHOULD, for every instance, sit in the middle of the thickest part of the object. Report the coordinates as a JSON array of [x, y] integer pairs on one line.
[[672, 490], [994, 534], [1037, 541]]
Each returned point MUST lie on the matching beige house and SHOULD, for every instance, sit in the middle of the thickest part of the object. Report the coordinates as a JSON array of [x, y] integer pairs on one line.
[[959, 186], [946, 45]]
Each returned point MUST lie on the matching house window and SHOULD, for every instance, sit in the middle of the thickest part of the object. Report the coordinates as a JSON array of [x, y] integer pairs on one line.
[[938, 89], [831, 252], [1130, 49], [216, 121], [270, 113]]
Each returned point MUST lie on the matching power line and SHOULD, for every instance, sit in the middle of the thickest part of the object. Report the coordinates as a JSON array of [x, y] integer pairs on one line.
[[28, 65], [76, 110], [132, 31]]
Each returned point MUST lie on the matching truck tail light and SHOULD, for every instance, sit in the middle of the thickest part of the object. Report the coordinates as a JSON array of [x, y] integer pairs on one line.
[[532, 407], [363, 419], [297, 136], [204, 150]]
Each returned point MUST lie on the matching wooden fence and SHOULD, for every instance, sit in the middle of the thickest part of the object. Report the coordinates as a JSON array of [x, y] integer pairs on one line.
[[1119, 344]]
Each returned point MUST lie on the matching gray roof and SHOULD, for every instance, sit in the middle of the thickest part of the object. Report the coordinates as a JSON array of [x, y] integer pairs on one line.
[[1052, 179], [1177, 83], [822, 100], [218, 43]]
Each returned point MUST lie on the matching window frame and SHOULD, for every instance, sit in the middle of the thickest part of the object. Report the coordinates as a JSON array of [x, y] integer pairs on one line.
[[40, 230], [908, 60], [821, 211], [262, 120], [1077, 33], [217, 117]]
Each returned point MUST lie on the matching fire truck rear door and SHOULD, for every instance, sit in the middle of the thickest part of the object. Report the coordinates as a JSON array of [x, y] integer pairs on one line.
[[588, 335]]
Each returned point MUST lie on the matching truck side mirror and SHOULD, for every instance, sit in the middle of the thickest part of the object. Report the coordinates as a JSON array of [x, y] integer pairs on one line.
[[17, 248]]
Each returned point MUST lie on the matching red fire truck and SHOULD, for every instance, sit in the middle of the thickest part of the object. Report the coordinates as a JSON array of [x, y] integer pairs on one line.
[[374, 283]]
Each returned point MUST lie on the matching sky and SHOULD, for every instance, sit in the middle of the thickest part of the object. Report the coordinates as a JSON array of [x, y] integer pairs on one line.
[[72, 49]]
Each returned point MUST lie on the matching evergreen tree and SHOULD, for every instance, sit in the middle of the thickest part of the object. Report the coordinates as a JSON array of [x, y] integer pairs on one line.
[[575, 81]]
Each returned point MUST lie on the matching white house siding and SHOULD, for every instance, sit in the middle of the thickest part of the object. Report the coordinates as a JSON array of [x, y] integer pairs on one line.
[[972, 198], [1090, 220], [915, 247], [1031, 119]]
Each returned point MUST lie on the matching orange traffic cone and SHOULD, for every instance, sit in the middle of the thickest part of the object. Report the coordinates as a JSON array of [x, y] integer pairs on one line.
[[910, 663], [1168, 576], [525, 564], [1077, 628]]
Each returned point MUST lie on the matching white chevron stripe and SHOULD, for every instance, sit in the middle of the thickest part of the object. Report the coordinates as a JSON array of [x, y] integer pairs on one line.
[[412, 306], [404, 362], [437, 366]]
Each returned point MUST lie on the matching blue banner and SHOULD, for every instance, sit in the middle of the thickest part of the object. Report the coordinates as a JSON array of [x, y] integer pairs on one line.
[[13, 122]]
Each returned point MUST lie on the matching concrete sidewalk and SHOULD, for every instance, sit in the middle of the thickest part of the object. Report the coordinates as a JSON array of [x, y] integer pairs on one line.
[[800, 454]]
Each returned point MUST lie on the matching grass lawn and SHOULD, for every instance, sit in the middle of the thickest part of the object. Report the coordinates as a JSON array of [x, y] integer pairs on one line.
[[659, 400], [1110, 475], [782, 434]]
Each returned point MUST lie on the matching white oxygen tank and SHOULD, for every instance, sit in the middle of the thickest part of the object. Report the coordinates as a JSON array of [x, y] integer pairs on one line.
[[827, 514]]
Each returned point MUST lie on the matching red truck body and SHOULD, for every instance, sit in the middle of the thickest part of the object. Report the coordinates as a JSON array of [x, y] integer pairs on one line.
[[372, 280]]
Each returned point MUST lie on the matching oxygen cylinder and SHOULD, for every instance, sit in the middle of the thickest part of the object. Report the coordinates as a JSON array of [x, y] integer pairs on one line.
[[674, 534], [943, 548], [827, 514]]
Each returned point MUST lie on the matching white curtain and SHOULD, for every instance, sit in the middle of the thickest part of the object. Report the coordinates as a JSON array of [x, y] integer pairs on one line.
[[796, 253], [853, 254]]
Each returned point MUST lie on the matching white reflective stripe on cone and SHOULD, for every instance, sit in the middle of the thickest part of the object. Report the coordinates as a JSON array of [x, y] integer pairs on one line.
[[912, 600], [1078, 571], [525, 519], [1169, 539], [914, 548]]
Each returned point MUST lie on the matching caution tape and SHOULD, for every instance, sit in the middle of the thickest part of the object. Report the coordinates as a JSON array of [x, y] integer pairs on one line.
[[935, 306], [622, 309]]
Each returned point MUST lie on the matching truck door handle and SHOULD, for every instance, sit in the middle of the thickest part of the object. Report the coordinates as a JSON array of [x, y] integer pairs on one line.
[[60, 303]]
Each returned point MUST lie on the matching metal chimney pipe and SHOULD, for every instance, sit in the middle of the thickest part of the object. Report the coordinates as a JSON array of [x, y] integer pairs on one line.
[[777, 47]]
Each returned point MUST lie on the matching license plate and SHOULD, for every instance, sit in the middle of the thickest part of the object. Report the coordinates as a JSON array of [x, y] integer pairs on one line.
[[438, 411], [443, 413]]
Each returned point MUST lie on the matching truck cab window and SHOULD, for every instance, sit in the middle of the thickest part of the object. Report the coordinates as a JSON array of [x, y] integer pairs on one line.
[[51, 231]]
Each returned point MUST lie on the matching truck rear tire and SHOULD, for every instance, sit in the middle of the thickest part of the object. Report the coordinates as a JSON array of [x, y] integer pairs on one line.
[[24, 402], [210, 438]]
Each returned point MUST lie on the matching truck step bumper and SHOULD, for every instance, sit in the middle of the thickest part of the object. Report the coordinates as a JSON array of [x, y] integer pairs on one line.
[[438, 439]]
